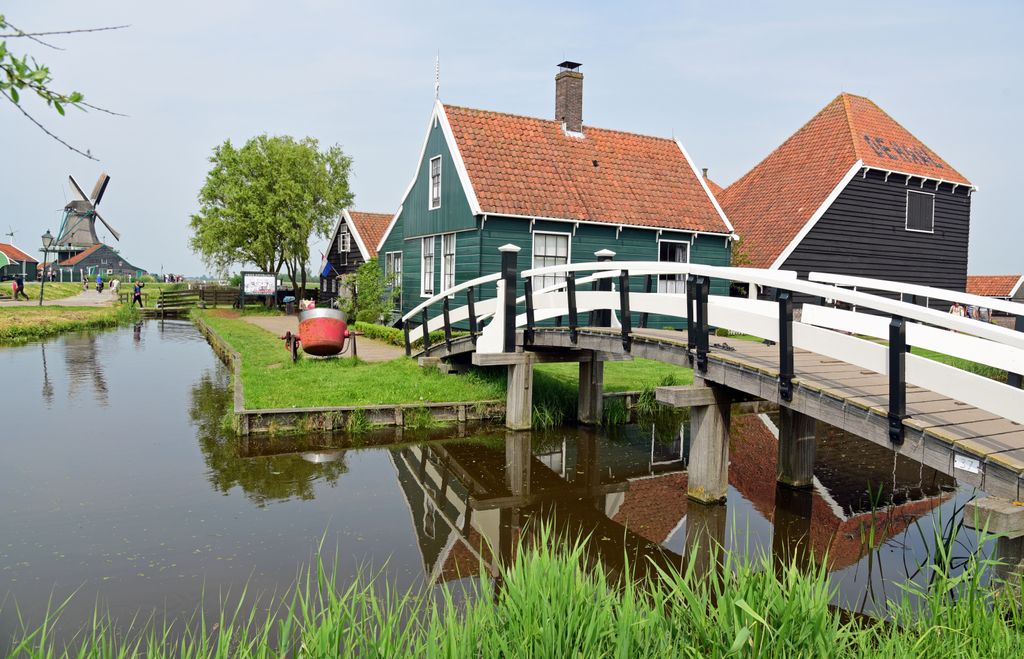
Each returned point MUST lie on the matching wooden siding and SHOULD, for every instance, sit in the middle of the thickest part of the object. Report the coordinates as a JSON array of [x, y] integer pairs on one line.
[[864, 233], [99, 262], [454, 213], [355, 259]]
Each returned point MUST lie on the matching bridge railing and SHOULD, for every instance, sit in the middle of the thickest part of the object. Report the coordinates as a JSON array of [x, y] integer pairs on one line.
[[915, 291], [822, 329]]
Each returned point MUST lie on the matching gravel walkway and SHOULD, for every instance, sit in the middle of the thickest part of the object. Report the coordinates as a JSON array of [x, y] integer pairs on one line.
[[369, 350]]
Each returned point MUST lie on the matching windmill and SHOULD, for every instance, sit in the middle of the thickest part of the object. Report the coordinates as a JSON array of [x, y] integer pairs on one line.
[[78, 228]]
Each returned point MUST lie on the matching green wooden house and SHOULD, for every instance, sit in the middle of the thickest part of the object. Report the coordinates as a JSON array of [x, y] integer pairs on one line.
[[558, 189]]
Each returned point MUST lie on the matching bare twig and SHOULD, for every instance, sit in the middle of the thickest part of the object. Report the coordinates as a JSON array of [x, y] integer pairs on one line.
[[22, 33], [46, 34], [43, 128], [96, 107]]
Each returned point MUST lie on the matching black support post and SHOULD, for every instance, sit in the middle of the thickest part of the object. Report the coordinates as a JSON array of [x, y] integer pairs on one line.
[[897, 378], [408, 342], [528, 293], [447, 324], [471, 304], [570, 294], [625, 316], [509, 256], [785, 299], [701, 285], [648, 284]]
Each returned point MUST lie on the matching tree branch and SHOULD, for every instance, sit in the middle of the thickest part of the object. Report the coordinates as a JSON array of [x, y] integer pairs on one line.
[[43, 128], [19, 33]]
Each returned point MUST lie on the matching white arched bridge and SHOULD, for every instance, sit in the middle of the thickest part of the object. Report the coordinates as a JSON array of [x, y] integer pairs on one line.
[[832, 348]]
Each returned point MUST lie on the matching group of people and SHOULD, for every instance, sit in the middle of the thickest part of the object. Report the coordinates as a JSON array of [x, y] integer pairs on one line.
[[970, 311], [18, 288]]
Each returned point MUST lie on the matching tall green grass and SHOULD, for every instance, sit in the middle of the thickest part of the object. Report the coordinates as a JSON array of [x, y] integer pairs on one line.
[[554, 600]]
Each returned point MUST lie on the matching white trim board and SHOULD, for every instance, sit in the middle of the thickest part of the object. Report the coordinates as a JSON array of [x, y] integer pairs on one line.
[[1016, 289], [614, 225], [354, 232], [707, 190], [829, 200], [389, 229]]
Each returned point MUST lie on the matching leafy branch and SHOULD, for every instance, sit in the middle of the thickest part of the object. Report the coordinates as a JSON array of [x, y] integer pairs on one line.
[[22, 74]]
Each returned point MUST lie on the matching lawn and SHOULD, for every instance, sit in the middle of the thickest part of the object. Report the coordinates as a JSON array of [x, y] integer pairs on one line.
[[52, 291], [270, 380], [21, 324], [622, 376]]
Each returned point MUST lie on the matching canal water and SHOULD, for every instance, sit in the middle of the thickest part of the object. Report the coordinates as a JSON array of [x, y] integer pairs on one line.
[[120, 489]]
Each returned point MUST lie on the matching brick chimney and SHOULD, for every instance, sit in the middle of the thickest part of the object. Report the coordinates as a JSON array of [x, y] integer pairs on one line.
[[569, 96]]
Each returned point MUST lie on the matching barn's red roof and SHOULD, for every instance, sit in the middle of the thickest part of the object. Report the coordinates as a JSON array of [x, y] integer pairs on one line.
[[74, 260], [16, 254], [771, 203], [715, 188], [371, 227], [994, 285], [532, 168]]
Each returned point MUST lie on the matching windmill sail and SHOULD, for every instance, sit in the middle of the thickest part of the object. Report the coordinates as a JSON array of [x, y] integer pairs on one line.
[[78, 228]]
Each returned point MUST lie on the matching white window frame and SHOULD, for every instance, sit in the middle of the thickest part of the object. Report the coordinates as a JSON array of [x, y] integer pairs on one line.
[[393, 275], [676, 279], [549, 280], [424, 290], [448, 268], [906, 213], [430, 184]]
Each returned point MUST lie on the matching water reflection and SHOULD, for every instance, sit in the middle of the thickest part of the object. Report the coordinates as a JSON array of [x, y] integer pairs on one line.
[[84, 366], [287, 474]]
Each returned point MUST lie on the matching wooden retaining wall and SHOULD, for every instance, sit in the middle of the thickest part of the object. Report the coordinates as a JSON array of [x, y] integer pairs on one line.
[[309, 419]]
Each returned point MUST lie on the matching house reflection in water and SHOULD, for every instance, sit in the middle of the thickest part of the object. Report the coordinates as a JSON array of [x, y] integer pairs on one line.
[[471, 502]]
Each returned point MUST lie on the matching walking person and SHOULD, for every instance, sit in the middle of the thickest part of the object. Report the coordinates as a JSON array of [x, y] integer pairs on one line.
[[137, 294], [99, 283], [19, 287]]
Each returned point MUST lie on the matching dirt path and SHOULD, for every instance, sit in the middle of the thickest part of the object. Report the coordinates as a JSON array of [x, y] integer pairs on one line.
[[369, 350], [89, 298]]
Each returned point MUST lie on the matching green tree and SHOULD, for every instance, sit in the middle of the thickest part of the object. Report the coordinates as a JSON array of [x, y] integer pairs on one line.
[[369, 299], [262, 203], [20, 74]]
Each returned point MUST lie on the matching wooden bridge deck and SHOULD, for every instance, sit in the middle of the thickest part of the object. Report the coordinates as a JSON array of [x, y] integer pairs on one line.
[[975, 446]]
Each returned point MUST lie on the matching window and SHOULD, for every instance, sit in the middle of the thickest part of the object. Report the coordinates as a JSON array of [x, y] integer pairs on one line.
[[393, 269], [447, 261], [920, 211], [673, 252], [549, 249], [435, 182], [427, 269], [344, 244]]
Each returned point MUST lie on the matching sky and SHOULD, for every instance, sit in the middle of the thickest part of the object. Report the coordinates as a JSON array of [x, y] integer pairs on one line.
[[730, 80]]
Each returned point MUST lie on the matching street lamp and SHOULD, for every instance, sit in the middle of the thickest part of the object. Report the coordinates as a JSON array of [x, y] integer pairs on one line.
[[47, 242]]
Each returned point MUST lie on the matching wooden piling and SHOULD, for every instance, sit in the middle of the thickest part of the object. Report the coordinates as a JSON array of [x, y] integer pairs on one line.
[[590, 409], [708, 470], [796, 448]]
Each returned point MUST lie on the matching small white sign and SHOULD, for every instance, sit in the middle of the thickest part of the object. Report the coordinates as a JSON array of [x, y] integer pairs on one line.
[[964, 463], [254, 283]]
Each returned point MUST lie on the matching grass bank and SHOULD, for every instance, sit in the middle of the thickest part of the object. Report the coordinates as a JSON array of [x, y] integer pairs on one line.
[[52, 291], [22, 324], [549, 603], [271, 380]]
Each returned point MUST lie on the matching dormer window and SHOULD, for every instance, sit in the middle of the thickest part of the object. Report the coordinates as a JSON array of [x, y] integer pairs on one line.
[[435, 182]]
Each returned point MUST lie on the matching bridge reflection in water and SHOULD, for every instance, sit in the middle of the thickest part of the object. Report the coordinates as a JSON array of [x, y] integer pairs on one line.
[[472, 502]]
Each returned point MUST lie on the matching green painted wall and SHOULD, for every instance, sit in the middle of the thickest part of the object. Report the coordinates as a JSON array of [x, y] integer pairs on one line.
[[454, 213]]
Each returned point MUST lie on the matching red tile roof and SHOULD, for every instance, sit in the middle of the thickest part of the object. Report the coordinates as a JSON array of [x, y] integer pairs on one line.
[[994, 285], [530, 167], [371, 227], [78, 257], [16, 254], [715, 188], [774, 200]]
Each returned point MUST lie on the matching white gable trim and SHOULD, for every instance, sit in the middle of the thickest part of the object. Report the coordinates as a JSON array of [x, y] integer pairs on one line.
[[460, 164], [355, 234], [387, 232], [707, 190], [829, 200], [438, 115], [1015, 289]]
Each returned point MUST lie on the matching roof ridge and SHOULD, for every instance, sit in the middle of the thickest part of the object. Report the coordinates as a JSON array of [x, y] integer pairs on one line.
[[849, 121], [784, 142], [555, 121]]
